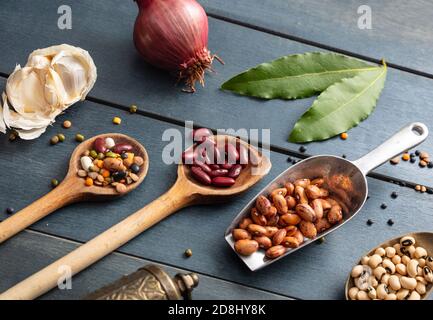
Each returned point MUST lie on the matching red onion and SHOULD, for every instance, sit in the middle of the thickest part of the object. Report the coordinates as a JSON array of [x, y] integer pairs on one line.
[[173, 35]]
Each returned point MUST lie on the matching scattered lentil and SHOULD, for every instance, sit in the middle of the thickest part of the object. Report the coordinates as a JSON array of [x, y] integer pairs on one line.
[[79, 137], [343, 136], [423, 155], [61, 137], [302, 149], [394, 195], [188, 253], [405, 157], [423, 189], [418, 187], [54, 140], [383, 206], [89, 182], [390, 222], [67, 124], [133, 108], [10, 210], [117, 120], [422, 163], [54, 183]]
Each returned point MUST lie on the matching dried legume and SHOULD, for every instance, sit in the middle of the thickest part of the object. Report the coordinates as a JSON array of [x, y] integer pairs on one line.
[[67, 124]]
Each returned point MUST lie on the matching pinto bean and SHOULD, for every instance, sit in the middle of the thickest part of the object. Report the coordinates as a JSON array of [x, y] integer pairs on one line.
[[306, 212]]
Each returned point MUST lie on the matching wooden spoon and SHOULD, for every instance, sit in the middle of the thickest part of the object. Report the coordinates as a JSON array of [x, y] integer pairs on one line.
[[422, 239], [72, 189], [186, 191]]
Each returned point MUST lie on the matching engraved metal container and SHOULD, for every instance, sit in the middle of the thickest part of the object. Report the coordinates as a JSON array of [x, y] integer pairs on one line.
[[148, 283]]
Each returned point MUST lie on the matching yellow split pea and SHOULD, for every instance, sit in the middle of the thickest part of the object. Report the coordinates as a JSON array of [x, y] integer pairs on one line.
[[117, 120]]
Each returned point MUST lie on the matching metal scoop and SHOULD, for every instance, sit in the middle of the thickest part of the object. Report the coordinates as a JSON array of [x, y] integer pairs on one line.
[[352, 194]]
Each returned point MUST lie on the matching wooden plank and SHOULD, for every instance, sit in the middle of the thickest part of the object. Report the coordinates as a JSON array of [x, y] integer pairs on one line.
[[317, 272], [124, 78], [31, 251], [401, 30]]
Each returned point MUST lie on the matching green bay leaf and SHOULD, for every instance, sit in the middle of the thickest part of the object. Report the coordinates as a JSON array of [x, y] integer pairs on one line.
[[296, 76], [340, 107]]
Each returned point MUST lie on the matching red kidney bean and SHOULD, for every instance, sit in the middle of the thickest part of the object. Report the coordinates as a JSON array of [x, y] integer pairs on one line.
[[122, 147], [188, 156], [200, 175], [99, 145], [227, 166], [200, 134], [219, 173], [214, 166], [204, 167], [232, 153], [223, 182], [235, 171], [243, 155]]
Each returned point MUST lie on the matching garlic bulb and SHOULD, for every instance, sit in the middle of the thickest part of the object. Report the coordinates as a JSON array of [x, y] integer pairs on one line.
[[53, 79]]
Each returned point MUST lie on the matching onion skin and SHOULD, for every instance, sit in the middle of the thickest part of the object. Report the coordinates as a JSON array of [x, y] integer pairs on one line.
[[173, 35]]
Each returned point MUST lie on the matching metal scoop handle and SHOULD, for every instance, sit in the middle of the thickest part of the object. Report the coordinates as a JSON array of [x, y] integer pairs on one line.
[[407, 138]]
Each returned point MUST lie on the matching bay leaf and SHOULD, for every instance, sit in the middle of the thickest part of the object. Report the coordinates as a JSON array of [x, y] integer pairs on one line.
[[340, 107], [296, 76]]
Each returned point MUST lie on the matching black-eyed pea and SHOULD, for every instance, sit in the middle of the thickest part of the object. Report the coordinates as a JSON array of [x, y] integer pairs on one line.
[[364, 260], [374, 261], [428, 274], [412, 268], [264, 242], [422, 280], [411, 251], [385, 279], [379, 272], [396, 259], [371, 292], [380, 251], [401, 269], [420, 253], [373, 282], [407, 241], [394, 283], [362, 282], [414, 296], [408, 283], [421, 262], [356, 271], [382, 291], [362, 295], [405, 260], [390, 252], [420, 288], [402, 294], [429, 262], [353, 293], [389, 266], [397, 248], [391, 296]]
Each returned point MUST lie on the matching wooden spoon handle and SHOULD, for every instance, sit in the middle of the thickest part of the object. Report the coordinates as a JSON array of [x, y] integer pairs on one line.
[[62, 195], [100, 246]]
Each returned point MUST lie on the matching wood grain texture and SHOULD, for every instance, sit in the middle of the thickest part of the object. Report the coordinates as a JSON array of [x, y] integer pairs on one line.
[[30, 251], [318, 271], [124, 78], [402, 31]]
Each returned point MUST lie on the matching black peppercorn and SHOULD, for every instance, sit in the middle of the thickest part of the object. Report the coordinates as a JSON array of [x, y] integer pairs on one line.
[[343, 156], [412, 160], [369, 222], [10, 210], [417, 152], [289, 159], [394, 195], [430, 164], [390, 222], [302, 149], [429, 190], [124, 155], [383, 206], [135, 168]]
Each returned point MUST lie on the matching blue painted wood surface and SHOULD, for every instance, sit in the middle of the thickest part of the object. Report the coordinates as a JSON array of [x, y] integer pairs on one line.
[[124, 79], [32, 251], [402, 31], [129, 80]]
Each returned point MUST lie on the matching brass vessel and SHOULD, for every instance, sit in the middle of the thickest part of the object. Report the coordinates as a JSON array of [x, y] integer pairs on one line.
[[148, 283]]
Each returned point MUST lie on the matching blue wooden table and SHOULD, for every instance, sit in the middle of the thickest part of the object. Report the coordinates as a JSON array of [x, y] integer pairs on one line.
[[244, 33]]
